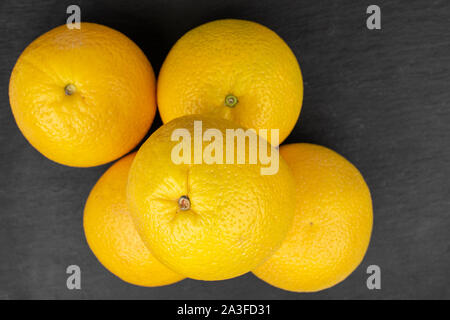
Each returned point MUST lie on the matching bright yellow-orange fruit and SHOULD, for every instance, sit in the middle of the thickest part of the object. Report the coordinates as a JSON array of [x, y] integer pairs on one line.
[[208, 221], [332, 223], [83, 97], [111, 234], [236, 69]]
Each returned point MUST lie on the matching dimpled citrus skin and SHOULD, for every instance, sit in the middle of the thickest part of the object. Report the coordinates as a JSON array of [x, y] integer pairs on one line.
[[237, 218], [237, 57], [109, 112], [332, 223], [111, 234]]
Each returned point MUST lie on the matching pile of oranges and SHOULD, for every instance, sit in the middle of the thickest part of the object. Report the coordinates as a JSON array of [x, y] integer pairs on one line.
[[85, 97]]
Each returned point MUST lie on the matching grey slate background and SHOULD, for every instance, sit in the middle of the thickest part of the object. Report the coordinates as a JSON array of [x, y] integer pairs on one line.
[[380, 98]]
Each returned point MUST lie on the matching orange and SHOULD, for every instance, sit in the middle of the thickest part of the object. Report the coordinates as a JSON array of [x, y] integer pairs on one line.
[[83, 97], [111, 234], [208, 221], [235, 69], [332, 223]]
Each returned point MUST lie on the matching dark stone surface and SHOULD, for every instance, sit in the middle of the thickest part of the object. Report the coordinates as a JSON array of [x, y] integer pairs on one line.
[[380, 98]]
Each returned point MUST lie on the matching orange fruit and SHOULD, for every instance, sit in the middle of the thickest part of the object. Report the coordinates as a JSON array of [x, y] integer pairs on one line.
[[332, 223], [83, 97], [208, 221], [111, 234], [235, 69]]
